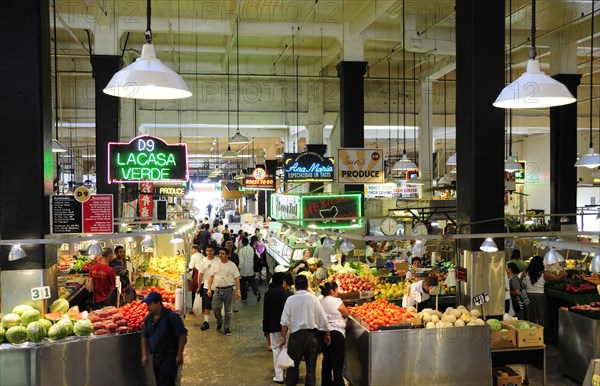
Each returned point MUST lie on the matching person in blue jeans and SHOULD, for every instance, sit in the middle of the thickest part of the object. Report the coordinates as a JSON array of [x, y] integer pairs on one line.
[[164, 336]]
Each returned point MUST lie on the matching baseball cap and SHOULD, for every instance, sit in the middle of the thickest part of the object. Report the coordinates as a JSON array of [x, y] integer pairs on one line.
[[153, 297], [311, 260], [301, 279], [280, 269]]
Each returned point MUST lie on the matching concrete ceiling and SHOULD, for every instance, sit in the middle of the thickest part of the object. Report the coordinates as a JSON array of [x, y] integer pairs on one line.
[[198, 38]]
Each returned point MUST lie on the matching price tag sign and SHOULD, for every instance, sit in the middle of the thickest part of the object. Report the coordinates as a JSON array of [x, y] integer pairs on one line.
[[480, 299], [39, 293], [417, 296]]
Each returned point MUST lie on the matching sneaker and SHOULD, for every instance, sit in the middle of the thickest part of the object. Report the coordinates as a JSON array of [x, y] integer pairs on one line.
[[258, 297], [278, 381], [204, 326], [227, 332], [219, 325]]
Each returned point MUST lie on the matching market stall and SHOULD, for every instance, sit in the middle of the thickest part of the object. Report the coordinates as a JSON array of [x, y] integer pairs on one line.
[[579, 339], [418, 356]]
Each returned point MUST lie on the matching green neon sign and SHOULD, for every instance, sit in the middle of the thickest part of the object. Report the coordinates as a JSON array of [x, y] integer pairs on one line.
[[147, 159], [321, 210]]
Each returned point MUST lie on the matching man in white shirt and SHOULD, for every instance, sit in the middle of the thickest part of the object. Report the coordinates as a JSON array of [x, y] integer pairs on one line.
[[195, 261], [225, 276], [304, 318], [324, 253], [246, 255], [203, 276], [218, 237], [419, 292], [369, 251]]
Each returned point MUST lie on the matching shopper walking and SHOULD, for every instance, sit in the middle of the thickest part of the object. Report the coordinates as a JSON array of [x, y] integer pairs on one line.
[[275, 299], [164, 336], [534, 279], [203, 276], [260, 246], [104, 278], [195, 261], [514, 285], [226, 278], [248, 279], [204, 237], [334, 353], [304, 318]]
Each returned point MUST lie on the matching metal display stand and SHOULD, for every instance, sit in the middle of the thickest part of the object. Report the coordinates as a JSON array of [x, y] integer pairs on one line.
[[579, 339], [418, 356]]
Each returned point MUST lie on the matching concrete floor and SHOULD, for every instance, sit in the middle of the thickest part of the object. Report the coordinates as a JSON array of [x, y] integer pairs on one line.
[[211, 358]]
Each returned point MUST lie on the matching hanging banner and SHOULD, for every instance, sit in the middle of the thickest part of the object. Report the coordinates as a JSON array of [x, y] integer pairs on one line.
[[360, 166], [147, 158], [307, 167], [146, 208], [259, 179]]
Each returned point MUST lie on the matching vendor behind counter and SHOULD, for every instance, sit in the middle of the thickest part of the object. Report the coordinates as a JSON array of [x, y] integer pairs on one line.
[[419, 291]]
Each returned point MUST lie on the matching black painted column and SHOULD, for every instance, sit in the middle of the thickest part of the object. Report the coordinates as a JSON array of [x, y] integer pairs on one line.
[[107, 123], [352, 108], [480, 126], [26, 161], [563, 153]]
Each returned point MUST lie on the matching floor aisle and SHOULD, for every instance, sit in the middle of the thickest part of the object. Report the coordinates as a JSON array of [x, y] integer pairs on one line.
[[211, 358]]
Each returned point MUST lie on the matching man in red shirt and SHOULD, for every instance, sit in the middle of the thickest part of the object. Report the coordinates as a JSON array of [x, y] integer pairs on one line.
[[103, 277]]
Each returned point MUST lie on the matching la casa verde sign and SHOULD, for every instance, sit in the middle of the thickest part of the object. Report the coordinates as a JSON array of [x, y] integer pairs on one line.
[[147, 159]]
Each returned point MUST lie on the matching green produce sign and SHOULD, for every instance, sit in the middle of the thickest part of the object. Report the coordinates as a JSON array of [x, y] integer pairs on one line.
[[147, 159]]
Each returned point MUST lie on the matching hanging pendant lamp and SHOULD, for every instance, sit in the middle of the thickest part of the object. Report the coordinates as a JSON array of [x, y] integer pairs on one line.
[[389, 178], [534, 89], [238, 138], [591, 159], [147, 77], [489, 245], [57, 147], [404, 164], [230, 154]]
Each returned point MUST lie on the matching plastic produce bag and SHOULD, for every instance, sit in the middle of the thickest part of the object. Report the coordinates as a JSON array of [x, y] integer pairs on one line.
[[197, 305], [283, 360]]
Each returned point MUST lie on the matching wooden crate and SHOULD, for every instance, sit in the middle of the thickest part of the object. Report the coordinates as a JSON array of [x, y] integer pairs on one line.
[[526, 338]]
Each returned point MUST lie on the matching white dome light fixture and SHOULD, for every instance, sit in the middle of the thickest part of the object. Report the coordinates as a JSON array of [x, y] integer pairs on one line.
[[489, 245], [16, 253], [346, 246], [553, 257], [534, 89], [511, 165], [147, 77]]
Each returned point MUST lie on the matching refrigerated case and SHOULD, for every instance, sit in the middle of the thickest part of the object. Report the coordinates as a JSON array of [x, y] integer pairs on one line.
[[284, 252]]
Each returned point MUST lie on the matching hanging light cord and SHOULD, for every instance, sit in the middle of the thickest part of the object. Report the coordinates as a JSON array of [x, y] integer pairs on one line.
[[148, 32], [532, 53], [389, 108], [237, 52], [510, 116], [404, 77], [592, 74], [445, 121], [415, 104], [228, 100]]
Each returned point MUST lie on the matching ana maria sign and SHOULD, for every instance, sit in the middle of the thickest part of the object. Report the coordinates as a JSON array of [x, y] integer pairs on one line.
[[307, 167], [147, 158]]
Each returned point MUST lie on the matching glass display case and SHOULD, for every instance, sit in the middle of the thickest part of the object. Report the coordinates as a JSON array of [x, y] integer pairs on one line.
[[284, 252]]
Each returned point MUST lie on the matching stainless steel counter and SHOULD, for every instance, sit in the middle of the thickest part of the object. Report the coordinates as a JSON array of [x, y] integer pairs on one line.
[[448, 356], [579, 342], [103, 360]]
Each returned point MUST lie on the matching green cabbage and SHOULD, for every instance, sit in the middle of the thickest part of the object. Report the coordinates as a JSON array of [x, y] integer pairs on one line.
[[494, 324]]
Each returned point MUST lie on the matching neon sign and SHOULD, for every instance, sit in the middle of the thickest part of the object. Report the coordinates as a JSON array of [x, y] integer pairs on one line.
[[147, 159], [308, 166], [319, 210], [259, 179]]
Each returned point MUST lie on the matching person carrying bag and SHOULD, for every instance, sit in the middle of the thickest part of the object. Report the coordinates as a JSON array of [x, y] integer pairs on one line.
[[518, 294]]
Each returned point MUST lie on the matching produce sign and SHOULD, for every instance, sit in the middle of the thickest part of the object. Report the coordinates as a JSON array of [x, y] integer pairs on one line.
[[147, 158], [307, 166], [380, 313], [360, 166], [259, 179]]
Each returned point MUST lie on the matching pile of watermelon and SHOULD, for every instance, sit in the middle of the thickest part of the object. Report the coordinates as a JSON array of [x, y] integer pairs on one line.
[[25, 323]]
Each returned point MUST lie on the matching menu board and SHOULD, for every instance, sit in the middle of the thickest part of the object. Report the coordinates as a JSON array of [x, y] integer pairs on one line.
[[67, 215]]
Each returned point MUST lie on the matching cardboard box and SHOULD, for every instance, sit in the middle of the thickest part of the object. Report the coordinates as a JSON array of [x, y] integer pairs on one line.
[[503, 339], [532, 337], [513, 379], [519, 368]]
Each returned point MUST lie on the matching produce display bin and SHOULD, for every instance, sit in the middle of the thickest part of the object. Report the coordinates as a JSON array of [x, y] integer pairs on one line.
[[531, 337], [556, 300], [97, 360], [418, 356], [579, 340]]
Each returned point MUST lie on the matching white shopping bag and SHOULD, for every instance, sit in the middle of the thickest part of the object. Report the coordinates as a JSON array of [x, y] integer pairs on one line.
[[283, 360], [197, 305]]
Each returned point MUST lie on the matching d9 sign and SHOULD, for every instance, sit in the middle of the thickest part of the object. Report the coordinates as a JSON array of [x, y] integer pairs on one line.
[[147, 159]]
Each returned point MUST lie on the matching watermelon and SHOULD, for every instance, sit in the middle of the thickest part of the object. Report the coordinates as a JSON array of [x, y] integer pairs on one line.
[[2, 334], [83, 327], [36, 332], [47, 324], [57, 332], [53, 316], [29, 316], [16, 334], [21, 308], [73, 311], [67, 325], [59, 305], [11, 320]]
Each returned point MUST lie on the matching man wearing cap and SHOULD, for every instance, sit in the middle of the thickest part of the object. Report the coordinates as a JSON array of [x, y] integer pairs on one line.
[[164, 336], [303, 317], [324, 253], [319, 273], [246, 256], [225, 276]]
